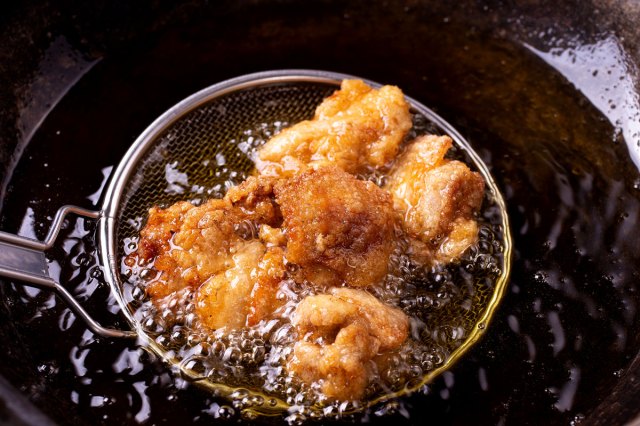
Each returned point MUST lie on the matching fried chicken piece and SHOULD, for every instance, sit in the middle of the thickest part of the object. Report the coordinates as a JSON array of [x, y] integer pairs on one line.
[[269, 274], [245, 293], [356, 128], [343, 368], [437, 198], [161, 224], [222, 301], [341, 334], [272, 236], [189, 244], [254, 197], [339, 229]]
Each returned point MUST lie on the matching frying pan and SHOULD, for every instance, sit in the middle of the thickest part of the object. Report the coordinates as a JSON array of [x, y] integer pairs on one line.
[[286, 30]]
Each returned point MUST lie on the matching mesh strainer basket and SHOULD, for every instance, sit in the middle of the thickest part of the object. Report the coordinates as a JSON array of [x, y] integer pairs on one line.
[[199, 148]]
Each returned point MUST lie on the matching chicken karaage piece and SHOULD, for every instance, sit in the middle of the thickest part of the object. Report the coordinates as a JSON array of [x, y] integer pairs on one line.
[[437, 198], [245, 293], [340, 335], [339, 229], [187, 244], [356, 128], [215, 249], [269, 274], [222, 300]]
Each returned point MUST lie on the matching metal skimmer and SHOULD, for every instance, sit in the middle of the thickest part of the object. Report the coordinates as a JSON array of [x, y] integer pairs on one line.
[[197, 149]]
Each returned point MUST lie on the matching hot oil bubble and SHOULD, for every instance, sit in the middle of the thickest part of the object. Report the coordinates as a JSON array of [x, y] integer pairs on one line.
[[226, 412], [96, 273]]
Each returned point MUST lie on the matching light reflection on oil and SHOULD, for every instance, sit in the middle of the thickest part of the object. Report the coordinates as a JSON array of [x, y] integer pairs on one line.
[[602, 72]]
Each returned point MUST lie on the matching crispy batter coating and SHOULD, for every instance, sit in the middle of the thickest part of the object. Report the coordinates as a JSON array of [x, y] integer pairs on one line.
[[437, 198], [245, 293], [222, 301], [269, 274], [205, 247], [254, 199], [187, 244], [356, 128], [339, 229], [341, 334]]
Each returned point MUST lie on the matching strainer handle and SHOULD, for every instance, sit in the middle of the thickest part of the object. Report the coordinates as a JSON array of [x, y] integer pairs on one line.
[[23, 259]]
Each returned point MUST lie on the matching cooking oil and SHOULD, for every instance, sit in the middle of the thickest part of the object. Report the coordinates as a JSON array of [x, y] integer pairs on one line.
[[565, 331]]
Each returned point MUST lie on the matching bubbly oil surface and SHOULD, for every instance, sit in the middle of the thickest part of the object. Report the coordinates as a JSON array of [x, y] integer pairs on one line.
[[564, 333]]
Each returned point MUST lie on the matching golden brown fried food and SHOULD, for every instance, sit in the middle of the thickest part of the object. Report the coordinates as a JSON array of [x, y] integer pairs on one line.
[[189, 244], [437, 198], [161, 225], [339, 229], [269, 274], [254, 199], [355, 128], [245, 293], [222, 301], [271, 236], [341, 334]]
